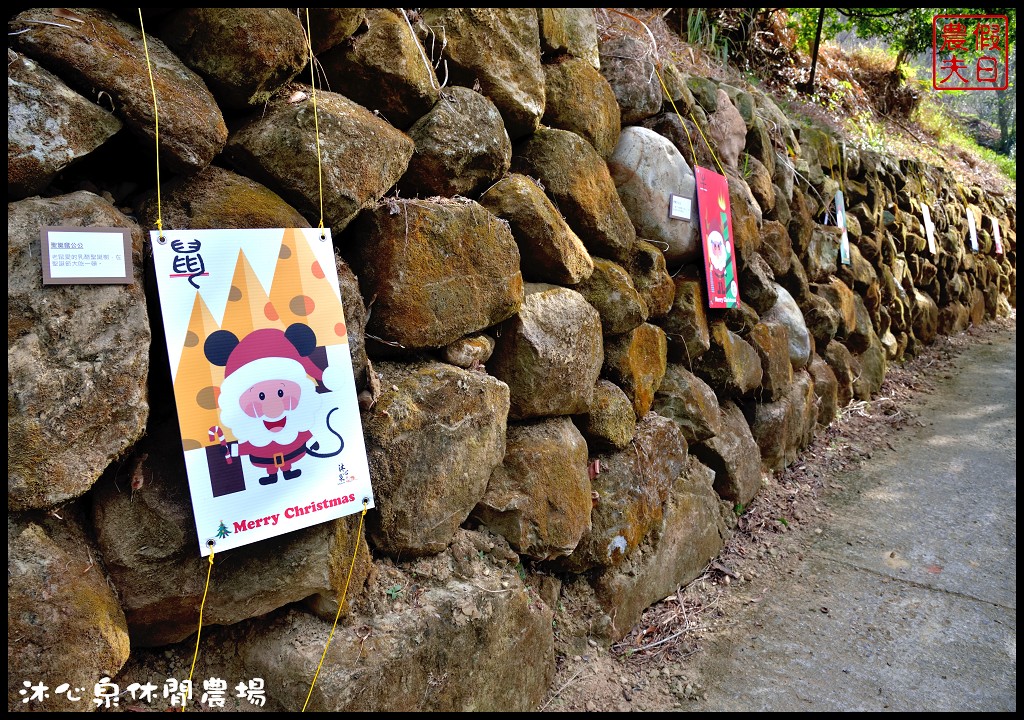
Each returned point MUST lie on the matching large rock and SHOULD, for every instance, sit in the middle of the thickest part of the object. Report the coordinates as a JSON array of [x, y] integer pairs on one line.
[[727, 130], [499, 48], [611, 291], [746, 219], [771, 342], [549, 250], [647, 171], [64, 623], [845, 368], [841, 298], [445, 644], [572, 31], [635, 361], [550, 354], [826, 388], [685, 398], [579, 99], [461, 147], [925, 315], [49, 127], [433, 438], [868, 382], [731, 366], [759, 180], [384, 69], [786, 312], [734, 456], [577, 179], [821, 318], [332, 25], [610, 424], [360, 156], [145, 528], [218, 198], [97, 53], [758, 283], [785, 426], [435, 271], [77, 359], [626, 62], [631, 488], [651, 278], [686, 325], [244, 54], [823, 252], [538, 499], [691, 534]]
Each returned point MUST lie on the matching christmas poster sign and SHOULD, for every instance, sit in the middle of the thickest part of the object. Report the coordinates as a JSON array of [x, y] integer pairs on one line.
[[844, 241], [716, 232], [996, 237], [929, 229], [972, 230], [263, 381]]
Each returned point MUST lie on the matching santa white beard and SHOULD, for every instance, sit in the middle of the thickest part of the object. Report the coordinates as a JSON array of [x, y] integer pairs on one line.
[[250, 429]]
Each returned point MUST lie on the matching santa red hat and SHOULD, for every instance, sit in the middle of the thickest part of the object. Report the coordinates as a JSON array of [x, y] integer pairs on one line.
[[265, 354]]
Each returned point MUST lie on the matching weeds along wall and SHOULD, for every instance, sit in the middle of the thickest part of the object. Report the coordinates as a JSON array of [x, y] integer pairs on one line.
[[553, 416]]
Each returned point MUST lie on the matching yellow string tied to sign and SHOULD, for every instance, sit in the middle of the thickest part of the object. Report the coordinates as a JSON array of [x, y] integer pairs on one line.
[[202, 607], [156, 126], [664, 89], [708, 143], [316, 120], [341, 604]]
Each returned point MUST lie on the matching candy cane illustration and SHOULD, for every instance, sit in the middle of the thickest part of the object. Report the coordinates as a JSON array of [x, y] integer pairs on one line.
[[217, 435]]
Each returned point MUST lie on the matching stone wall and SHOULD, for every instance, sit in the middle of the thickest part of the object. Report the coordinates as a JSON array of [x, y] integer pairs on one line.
[[549, 409]]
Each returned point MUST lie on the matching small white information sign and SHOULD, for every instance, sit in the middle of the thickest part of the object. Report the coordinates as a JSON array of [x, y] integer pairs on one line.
[[79, 256], [929, 229], [973, 229], [679, 207]]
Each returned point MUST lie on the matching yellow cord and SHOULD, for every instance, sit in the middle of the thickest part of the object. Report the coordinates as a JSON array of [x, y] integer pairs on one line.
[[706, 142], [202, 607], [156, 124], [664, 88], [341, 604], [316, 120]]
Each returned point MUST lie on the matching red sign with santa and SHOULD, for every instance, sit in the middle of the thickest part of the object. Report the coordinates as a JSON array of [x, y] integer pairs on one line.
[[716, 229], [263, 382]]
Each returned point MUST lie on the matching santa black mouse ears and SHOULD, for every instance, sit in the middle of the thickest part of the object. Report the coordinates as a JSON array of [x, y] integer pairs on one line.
[[222, 343]]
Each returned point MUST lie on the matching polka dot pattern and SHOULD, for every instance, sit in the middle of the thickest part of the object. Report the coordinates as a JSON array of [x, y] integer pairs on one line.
[[302, 305], [207, 398]]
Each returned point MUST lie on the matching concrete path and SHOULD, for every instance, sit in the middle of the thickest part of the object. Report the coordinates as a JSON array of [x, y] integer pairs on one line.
[[908, 600]]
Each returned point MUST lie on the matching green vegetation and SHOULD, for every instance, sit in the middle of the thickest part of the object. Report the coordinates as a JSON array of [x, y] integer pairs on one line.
[[935, 120]]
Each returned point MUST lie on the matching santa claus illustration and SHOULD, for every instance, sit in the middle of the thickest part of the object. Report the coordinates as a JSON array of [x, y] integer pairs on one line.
[[269, 398], [718, 254]]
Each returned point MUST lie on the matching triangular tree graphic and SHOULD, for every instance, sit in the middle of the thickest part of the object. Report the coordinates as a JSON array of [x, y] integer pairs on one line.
[[302, 293], [197, 383]]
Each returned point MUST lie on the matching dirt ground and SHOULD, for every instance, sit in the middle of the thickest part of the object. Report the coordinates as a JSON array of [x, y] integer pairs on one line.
[[657, 666]]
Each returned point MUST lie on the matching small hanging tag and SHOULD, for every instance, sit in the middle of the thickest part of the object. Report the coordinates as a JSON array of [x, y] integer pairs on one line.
[[996, 237], [973, 230], [844, 241], [929, 229]]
